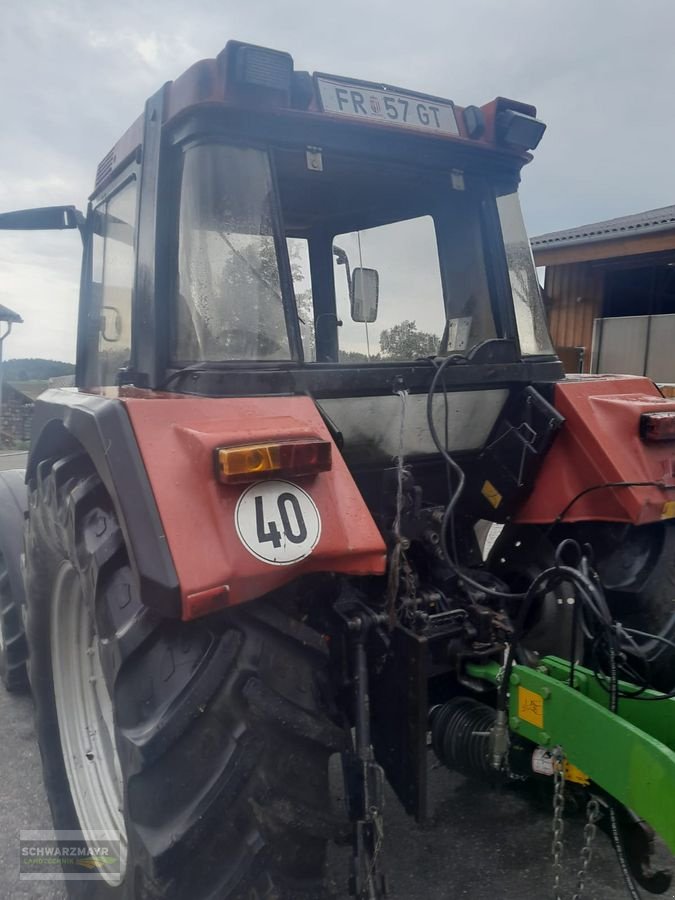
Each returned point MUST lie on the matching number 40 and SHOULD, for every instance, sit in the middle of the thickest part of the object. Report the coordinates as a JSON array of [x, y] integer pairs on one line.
[[296, 533]]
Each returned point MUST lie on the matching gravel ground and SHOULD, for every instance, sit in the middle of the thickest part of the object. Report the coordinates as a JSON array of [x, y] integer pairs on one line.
[[484, 844], [481, 844], [22, 797]]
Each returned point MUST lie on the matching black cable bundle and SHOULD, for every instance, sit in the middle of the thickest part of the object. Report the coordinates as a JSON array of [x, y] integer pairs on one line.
[[611, 643], [594, 615]]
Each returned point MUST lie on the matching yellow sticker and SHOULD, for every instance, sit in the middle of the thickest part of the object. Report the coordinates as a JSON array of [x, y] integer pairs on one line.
[[492, 495], [575, 775], [668, 510], [531, 707]]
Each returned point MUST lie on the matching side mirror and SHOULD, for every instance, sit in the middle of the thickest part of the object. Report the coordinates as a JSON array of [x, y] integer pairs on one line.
[[47, 218], [364, 294]]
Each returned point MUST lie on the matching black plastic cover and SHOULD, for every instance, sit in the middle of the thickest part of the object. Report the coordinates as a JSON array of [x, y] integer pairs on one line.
[[66, 421]]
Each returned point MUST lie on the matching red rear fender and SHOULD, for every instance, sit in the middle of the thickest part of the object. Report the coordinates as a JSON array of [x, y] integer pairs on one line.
[[600, 443], [228, 542]]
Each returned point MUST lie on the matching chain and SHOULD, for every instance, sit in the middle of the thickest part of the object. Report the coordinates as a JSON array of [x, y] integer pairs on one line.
[[558, 825], [590, 829]]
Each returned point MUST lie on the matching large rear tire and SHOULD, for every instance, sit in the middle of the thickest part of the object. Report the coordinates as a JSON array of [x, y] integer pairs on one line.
[[636, 566], [205, 744], [650, 605]]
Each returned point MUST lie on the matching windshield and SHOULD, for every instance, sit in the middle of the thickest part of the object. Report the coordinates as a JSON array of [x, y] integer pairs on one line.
[[386, 262]]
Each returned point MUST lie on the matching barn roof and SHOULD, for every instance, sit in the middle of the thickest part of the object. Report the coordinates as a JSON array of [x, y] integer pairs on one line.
[[649, 222]]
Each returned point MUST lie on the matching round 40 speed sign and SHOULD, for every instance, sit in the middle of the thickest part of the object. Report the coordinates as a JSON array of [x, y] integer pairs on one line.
[[277, 522]]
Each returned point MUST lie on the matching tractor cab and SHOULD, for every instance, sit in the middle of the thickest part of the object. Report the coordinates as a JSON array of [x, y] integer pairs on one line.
[[265, 231], [261, 230]]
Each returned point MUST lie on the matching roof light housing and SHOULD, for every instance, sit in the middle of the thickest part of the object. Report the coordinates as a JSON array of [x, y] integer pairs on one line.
[[519, 129], [263, 68], [658, 426]]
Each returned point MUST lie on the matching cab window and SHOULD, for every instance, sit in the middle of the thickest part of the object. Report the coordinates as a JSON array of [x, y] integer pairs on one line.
[[113, 269]]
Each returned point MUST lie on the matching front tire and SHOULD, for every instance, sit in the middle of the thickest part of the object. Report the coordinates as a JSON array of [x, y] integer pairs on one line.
[[13, 647], [205, 744], [12, 638]]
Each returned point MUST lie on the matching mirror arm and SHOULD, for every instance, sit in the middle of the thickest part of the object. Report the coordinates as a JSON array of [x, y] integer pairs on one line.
[[48, 218], [342, 259], [80, 224], [350, 286]]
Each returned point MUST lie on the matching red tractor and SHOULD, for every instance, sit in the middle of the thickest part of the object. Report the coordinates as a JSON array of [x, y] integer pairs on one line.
[[312, 362]]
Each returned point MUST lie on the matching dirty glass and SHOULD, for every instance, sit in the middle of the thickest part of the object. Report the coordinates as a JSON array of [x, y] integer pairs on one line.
[[228, 301], [113, 268], [527, 301]]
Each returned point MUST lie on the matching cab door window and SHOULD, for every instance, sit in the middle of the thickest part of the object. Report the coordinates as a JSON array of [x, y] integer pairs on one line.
[[410, 317], [113, 270]]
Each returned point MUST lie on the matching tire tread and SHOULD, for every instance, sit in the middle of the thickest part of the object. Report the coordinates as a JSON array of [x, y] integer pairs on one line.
[[223, 729]]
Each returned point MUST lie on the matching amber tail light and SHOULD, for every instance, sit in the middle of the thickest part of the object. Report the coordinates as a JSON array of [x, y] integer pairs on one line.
[[243, 464], [657, 426]]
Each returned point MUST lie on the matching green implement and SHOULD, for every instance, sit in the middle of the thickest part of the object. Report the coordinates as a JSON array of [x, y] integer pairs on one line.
[[630, 754]]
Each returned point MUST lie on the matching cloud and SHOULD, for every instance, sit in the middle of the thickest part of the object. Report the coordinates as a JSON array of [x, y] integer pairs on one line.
[[75, 74]]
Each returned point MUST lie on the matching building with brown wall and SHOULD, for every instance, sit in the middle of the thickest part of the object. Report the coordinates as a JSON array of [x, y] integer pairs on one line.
[[619, 269]]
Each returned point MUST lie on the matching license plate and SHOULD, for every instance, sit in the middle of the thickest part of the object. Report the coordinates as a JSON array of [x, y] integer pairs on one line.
[[362, 101]]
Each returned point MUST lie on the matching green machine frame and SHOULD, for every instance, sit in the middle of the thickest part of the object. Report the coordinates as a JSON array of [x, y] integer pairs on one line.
[[629, 754]]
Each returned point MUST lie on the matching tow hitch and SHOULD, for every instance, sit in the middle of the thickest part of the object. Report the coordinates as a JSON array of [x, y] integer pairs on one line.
[[364, 778]]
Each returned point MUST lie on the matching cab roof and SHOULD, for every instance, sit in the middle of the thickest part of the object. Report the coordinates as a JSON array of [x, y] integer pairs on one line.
[[246, 76]]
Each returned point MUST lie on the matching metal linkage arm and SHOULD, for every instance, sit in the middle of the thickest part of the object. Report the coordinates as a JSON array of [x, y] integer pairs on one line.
[[630, 755]]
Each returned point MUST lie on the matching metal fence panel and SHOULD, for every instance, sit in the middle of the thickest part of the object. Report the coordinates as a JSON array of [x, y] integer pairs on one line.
[[622, 345], [635, 345], [661, 349]]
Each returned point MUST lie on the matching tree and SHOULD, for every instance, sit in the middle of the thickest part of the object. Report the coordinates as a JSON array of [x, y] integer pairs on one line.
[[251, 322], [348, 356], [404, 341], [303, 300]]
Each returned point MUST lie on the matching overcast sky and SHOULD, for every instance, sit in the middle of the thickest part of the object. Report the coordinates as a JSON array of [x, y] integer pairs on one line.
[[74, 74]]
